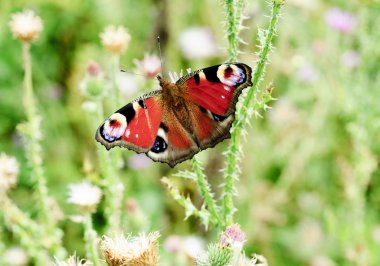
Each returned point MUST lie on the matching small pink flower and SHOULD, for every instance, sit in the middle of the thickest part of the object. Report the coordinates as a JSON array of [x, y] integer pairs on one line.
[[150, 65], [351, 59], [93, 69], [340, 20], [232, 235]]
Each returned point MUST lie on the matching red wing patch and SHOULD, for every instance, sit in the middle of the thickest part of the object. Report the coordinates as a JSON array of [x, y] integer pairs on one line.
[[142, 129], [217, 88]]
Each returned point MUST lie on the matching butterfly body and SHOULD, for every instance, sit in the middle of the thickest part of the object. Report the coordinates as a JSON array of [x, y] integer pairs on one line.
[[172, 124]]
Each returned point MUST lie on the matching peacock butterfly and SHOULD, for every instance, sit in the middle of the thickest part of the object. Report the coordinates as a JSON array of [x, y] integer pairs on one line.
[[174, 123]]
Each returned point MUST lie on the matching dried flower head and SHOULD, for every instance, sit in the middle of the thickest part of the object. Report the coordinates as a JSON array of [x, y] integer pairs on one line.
[[73, 261], [26, 26], [84, 195], [150, 65], [9, 169], [115, 39], [134, 251], [232, 236]]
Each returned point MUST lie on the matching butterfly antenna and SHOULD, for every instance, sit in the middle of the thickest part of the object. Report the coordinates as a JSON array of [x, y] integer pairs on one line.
[[159, 50], [125, 71]]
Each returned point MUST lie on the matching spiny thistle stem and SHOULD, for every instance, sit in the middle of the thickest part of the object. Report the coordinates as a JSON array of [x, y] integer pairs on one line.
[[205, 191], [243, 114], [91, 241], [232, 30], [33, 151]]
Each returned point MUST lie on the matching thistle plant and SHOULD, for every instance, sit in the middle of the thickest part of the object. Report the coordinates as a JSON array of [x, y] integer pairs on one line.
[[26, 27], [86, 197], [220, 213], [115, 40]]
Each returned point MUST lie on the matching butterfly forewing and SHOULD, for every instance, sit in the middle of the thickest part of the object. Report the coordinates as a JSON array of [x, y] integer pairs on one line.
[[134, 126]]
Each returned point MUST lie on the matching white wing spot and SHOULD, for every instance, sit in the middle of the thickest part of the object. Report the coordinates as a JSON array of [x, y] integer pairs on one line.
[[127, 133], [222, 97], [227, 88], [137, 135]]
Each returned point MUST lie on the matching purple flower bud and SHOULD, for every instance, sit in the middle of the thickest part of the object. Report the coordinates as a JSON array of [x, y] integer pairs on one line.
[[232, 235]]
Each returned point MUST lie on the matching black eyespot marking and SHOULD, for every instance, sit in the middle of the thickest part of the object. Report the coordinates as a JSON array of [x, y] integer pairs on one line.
[[159, 145], [142, 103], [128, 112], [211, 73], [112, 122], [228, 69], [218, 118], [164, 127], [197, 79]]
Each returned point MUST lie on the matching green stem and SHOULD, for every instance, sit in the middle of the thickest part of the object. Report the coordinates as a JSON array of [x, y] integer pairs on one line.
[[243, 114], [33, 150], [205, 191], [232, 31], [90, 237]]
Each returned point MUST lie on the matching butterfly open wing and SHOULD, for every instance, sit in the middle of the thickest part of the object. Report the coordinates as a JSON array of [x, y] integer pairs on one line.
[[173, 124]]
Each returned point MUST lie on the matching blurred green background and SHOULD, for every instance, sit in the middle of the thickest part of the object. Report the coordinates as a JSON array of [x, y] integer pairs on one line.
[[309, 192]]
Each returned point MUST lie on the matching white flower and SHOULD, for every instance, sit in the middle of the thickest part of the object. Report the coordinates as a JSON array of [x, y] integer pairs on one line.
[[133, 251], [26, 26], [115, 39], [198, 43], [15, 256], [9, 170], [84, 195]]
